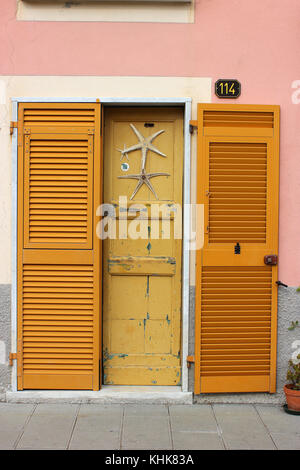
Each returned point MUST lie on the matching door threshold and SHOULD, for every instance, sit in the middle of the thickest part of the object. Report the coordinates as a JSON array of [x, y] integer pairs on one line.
[[109, 394]]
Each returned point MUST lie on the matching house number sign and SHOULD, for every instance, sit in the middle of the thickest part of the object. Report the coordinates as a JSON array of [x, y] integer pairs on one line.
[[227, 88]]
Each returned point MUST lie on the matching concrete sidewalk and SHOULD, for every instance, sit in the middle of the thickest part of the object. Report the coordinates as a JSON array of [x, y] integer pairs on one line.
[[154, 427]]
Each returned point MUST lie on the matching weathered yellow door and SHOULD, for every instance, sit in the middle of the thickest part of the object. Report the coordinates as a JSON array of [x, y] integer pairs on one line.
[[236, 291], [142, 276]]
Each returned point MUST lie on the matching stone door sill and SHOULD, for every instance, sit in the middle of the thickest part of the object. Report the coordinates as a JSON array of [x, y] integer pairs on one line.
[[109, 394]]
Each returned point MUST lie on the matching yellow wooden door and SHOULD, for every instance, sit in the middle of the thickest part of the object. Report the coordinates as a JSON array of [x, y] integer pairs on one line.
[[236, 291], [142, 276], [59, 256]]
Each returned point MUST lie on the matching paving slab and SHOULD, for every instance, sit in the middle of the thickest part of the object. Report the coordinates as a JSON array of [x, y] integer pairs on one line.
[[242, 428], [146, 410], [197, 441], [286, 441], [146, 432], [193, 418], [13, 418], [98, 427], [50, 427], [277, 420]]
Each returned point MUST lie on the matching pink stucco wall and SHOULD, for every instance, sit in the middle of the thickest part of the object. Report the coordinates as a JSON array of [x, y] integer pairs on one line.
[[254, 41]]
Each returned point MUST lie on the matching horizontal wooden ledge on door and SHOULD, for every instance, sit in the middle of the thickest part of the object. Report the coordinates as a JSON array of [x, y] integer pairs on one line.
[[162, 266], [232, 132], [247, 257], [58, 133], [151, 213], [50, 381], [55, 256], [235, 384]]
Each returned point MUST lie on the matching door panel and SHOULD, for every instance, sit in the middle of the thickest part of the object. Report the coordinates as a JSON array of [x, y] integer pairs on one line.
[[142, 277], [59, 256], [236, 292]]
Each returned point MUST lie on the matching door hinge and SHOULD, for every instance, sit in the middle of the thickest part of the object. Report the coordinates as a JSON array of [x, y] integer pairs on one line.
[[193, 125], [12, 356], [190, 360], [13, 125]]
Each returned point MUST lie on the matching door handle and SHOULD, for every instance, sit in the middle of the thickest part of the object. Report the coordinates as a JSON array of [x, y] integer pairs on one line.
[[279, 283]]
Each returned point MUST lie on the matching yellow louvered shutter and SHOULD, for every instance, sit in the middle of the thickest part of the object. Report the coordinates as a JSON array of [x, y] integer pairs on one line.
[[58, 190], [59, 172], [236, 292]]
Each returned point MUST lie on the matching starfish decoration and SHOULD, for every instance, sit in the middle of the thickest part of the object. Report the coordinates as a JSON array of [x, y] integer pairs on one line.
[[145, 144], [123, 153], [144, 178]]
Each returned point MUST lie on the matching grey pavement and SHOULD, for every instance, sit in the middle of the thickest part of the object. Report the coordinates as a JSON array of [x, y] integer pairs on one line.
[[153, 427]]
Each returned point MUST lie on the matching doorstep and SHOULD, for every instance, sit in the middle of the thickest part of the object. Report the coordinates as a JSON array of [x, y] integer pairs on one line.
[[107, 395]]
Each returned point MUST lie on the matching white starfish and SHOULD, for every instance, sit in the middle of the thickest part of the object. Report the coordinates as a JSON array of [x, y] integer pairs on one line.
[[145, 144], [123, 152], [143, 178]]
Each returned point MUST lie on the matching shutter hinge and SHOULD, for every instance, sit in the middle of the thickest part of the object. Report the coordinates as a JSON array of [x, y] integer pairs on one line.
[[190, 360], [193, 125], [91, 131], [13, 125], [12, 357]]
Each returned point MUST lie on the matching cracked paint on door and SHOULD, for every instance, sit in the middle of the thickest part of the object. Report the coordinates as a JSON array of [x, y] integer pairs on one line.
[[142, 277]]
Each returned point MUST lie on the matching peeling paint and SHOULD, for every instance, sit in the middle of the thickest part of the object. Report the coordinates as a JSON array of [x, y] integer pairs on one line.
[[108, 357]]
